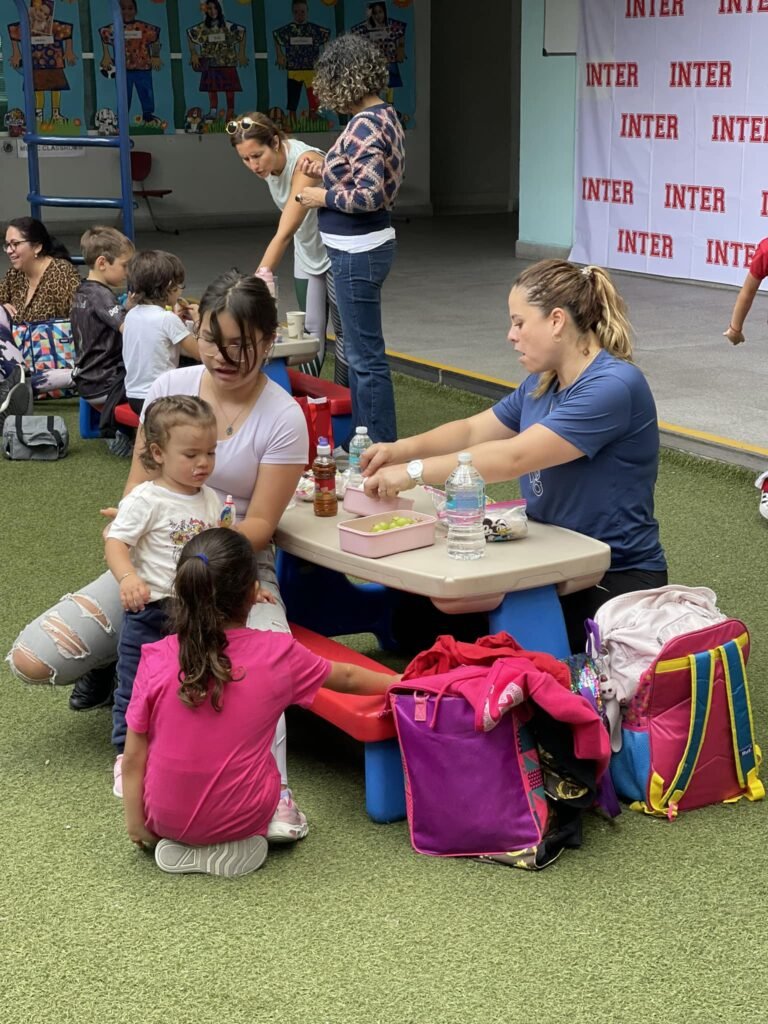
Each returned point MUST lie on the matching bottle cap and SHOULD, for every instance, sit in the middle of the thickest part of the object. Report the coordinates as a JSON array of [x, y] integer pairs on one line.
[[465, 457], [361, 430]]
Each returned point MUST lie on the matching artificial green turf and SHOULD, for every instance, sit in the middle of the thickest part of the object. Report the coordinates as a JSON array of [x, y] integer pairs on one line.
[[649, 921]]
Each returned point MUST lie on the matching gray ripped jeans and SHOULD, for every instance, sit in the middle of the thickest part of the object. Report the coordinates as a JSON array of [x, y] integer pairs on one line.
[[80, 633]]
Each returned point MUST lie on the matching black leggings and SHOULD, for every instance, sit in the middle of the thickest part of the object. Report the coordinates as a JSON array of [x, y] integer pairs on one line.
[[584, 603]]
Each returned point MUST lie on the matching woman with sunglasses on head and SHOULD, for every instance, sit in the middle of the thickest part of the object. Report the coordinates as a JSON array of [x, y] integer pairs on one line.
[[261, 450], [39, 285], [361, 177], [268, 153]]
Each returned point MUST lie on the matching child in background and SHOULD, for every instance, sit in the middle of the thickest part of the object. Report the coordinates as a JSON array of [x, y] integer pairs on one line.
[[97, 321], [758, 270], [198, 770], [152, 524], [154, 336]]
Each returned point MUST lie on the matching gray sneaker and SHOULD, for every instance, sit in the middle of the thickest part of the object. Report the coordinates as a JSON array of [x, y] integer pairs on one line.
[[16, 398], [228, 859]]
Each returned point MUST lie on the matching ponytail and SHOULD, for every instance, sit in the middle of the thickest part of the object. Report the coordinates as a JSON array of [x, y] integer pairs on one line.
[[589, 295], [214, 587], [613, 328]]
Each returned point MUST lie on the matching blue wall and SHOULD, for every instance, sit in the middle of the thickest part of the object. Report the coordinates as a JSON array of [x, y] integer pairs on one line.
[[547, 136]]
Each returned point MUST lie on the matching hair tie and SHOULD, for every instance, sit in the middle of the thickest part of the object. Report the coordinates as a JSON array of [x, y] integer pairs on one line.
[[586, 271], [203, 558]]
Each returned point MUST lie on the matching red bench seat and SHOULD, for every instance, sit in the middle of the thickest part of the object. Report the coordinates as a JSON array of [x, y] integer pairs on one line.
[[360, 717]]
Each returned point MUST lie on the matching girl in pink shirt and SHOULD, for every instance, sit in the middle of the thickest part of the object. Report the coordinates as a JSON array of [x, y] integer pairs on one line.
[[198, 769]]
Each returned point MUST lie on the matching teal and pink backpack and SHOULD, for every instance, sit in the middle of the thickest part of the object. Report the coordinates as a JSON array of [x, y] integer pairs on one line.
[[687, 733]]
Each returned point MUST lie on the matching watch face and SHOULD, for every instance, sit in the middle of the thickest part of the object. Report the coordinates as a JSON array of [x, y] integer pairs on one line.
[[414, 469]]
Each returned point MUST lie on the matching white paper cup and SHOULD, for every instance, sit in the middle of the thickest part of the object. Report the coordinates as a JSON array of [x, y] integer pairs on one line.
[[295, 321]]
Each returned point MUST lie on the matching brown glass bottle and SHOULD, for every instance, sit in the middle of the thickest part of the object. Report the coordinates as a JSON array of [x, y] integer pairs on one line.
[[324, 472]]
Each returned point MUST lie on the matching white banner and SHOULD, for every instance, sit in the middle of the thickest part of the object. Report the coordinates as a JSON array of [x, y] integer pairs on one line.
[[672, 136]]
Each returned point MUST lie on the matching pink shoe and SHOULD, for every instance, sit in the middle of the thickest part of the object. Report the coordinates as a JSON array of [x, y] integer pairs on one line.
[[117, 774], [288, 823]]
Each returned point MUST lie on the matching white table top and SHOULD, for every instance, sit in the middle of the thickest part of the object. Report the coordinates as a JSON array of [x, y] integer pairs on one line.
[[286, 348], [548, 555]]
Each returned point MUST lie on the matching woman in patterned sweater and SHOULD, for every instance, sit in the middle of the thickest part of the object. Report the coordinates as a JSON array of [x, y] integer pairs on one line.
[[361, 176], [38, 286]]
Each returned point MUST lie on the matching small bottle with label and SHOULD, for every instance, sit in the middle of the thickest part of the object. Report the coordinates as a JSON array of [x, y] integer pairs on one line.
[[324, 471], [228, 513]]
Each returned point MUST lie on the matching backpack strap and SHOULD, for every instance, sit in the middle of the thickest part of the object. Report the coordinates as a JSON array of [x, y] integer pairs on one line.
[[54, 433], [665, 801], [746, 754]]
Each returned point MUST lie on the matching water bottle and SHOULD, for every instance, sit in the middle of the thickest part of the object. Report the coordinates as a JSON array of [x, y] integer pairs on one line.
[[357, 446], [465, 508], [324, 471]]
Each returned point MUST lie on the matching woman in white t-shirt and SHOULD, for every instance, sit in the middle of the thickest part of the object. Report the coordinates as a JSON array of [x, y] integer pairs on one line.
[[268, 153], [261, 450], [153, 335]]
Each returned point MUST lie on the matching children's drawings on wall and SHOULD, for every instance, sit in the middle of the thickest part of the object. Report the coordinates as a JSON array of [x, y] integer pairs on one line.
[[296, 32], [57, 67], [191, 65], [393, 37], [147, 62], [219, 70]]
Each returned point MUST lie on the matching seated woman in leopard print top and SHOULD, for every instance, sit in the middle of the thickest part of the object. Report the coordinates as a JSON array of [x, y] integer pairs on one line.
[[39, 286]]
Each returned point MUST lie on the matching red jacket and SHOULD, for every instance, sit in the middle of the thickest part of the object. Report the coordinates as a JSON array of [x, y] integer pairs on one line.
[[499, 676]]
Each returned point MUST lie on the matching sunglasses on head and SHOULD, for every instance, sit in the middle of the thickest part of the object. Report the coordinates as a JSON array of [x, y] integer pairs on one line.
[[241, 125]]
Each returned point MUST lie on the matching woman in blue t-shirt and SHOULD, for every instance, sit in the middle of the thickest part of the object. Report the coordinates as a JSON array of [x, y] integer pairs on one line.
[[580, 432]]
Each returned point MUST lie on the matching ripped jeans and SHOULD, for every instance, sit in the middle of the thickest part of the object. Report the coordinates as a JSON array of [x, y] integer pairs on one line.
[[80, 633]]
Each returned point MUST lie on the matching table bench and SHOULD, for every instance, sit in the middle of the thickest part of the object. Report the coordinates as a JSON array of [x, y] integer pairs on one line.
[[361, 718]]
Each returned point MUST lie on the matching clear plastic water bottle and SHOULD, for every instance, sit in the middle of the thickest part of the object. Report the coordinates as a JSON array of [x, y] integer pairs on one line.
[[465, 508], [357, 446]]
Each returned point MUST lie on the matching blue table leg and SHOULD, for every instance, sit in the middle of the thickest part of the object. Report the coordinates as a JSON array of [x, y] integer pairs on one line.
[[89, 420], [328, 603], [384, 784], [534, 618]]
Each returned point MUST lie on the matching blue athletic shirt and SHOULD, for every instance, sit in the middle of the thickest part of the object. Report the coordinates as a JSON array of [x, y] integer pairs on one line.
[[609, 414]]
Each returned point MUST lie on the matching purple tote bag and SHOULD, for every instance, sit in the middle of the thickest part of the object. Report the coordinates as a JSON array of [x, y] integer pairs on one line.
[[468, 792]]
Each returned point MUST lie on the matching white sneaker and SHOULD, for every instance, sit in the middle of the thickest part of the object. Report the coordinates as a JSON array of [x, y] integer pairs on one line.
[[226, 859], [288, 823], [117, 776], [762, 485]]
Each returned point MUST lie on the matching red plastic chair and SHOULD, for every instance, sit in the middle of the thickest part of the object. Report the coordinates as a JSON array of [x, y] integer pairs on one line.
[[141, 167]]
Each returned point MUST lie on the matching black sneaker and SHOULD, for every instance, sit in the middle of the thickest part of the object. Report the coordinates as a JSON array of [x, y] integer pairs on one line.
[[94, 690], [16, 398]]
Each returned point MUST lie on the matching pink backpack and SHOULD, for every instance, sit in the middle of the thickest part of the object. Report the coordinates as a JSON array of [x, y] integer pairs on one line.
[[687, 735]]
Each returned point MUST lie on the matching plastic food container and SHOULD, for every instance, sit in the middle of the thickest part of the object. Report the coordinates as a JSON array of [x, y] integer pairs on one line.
[[358, 503], [356, 537]]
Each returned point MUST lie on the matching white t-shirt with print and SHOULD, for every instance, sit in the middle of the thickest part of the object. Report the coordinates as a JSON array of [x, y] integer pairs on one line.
[[273, 433], [151, 339], [156, 524]]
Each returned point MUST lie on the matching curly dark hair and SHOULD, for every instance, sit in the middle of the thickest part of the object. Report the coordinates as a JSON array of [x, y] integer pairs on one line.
[[214, 587], [349, 69]]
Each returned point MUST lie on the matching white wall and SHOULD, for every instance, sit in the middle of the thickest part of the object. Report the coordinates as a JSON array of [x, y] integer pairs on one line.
[[210, 186]]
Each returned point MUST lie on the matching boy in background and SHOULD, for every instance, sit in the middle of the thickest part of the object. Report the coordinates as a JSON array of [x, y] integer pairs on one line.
[[97, 321]]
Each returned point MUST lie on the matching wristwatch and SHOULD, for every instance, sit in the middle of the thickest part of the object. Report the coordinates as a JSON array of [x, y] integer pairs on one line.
[[414, 470]]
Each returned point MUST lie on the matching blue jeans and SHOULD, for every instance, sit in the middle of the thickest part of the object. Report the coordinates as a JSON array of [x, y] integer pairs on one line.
[[144, 627], [358, 277]]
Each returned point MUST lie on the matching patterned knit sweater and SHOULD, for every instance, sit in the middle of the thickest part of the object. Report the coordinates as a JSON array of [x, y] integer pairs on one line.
[[363, 172]]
